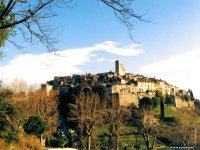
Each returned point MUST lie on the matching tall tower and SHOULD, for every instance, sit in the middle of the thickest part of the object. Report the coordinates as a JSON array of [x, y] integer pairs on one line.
[[119, 68]]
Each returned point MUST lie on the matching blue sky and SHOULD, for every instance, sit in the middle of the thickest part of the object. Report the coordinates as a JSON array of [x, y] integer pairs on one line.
[[90, 38]]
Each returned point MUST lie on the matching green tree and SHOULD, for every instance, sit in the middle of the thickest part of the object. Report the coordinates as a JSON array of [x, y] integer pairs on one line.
[[5, 33], [156, 101], [102, 91], [58, 139], [35, 125], [66, 99], [146, 103], [170, 100], [197, 106], [8, 116], [161, 96], [190, 93], [149, 103], [185, 97]]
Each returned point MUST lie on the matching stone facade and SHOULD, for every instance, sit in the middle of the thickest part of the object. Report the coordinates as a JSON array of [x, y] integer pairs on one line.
[[127, 99], [130, 87], [184, 104]]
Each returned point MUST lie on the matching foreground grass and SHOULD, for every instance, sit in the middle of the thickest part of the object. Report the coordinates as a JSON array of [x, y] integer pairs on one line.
[[126, 139], [169, 111]]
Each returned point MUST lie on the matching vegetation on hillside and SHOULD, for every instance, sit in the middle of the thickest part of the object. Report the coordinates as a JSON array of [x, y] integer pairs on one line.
[[90, 119]]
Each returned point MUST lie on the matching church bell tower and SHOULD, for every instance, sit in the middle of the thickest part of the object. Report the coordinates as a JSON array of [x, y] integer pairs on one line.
[[119, 68]]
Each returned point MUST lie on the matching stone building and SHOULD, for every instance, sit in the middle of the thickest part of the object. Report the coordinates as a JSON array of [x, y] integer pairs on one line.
[[129, 87]]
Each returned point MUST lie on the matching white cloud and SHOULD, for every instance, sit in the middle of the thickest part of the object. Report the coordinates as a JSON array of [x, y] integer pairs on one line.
[[38, 68], [182, 70], [112, 47], [101, 59]]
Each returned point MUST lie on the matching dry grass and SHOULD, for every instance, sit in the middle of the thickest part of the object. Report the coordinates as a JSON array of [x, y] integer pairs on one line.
[[3, 145], [29, 143], [25, 143]]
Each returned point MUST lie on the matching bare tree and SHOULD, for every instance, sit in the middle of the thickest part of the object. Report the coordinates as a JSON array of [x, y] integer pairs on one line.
[[38, 103], [147, 125], [113, 119], [18, 85], [85, 115], [32, 17], [187, 126], [124, 13]]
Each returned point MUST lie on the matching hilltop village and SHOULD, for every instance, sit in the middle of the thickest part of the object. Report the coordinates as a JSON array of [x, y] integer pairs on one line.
[[129, 87]]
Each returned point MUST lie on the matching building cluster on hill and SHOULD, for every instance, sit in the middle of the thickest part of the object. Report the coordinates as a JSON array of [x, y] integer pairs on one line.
[[129, 87]]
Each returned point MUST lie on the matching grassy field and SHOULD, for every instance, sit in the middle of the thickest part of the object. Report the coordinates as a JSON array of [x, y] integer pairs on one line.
[[128, 139], [169, 111]]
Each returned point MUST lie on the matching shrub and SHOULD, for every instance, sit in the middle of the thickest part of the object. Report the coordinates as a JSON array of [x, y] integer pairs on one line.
[[146, 103], [185, 97], [171, 120], [197, 106], [58, 139], [156, 101], [165, 140], [7, 117], [170, 100], [35, 125]]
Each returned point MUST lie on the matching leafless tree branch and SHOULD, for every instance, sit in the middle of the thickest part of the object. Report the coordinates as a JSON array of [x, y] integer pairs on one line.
[[32, 15], [124, 13]]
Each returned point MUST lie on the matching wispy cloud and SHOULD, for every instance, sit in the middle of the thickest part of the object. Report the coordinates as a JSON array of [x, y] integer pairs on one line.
[[38, 68], [182, 70], [101, 59], [112, 47]]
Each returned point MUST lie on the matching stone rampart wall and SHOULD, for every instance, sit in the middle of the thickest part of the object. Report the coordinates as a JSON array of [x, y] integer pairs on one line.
[[127, 99], [183, 104]]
